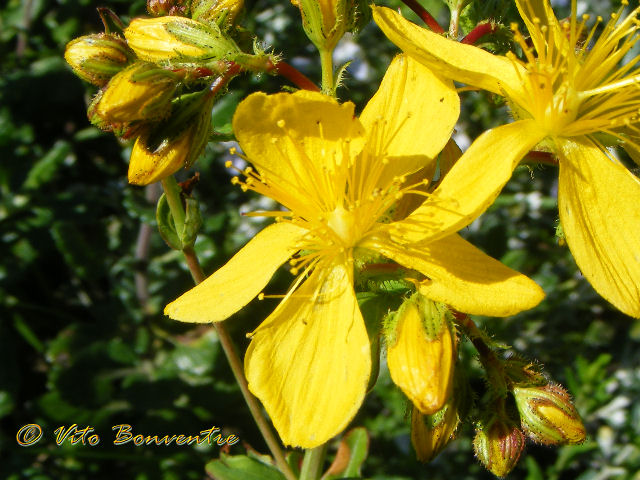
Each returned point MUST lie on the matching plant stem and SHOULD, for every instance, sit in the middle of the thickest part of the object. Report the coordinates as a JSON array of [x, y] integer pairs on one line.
[[313, 462], [424, 15], [172, 192], [489, 360], [326, 61], [294, 75]]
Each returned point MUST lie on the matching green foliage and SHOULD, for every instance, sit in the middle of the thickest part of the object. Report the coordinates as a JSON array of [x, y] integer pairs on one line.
[[84, 278]]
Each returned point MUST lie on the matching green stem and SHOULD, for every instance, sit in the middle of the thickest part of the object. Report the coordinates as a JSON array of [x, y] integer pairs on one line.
[[326, 62], [489, 360], [313, 462], [172, 192]]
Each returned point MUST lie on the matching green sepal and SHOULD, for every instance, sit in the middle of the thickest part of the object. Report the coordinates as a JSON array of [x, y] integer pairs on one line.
[[192, 222], [352, 453], [208, 37], [374, 307], [111, 21], [242, 467], [166, 225], [294, 459]]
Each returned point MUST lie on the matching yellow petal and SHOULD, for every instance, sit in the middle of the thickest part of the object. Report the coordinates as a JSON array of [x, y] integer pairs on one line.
[[451, 59], [599, 202], [239, 280], [296, 140], [148, 166], [409, 98], [472, 184], [422, 368], [467, 279], [309, 362]]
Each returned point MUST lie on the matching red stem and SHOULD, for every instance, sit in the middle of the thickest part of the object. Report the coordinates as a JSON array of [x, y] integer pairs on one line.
[[478, 32], [424, 15], [219, 83], [294, 75], [541, 157]]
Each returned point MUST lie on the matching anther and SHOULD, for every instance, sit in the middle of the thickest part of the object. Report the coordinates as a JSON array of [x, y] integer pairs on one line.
[[261, 296], [228, 164], [233, 150], [280, 123]]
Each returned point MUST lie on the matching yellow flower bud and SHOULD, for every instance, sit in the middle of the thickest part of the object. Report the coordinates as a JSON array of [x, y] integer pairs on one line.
[[548, 416], [431, 433], [142, 91], [96, 58], [421, 353], [177, 39], [175, 143], [498, 444], [221, 12]]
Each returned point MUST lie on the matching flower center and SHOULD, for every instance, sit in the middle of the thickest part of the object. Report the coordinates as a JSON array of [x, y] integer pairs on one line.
[[342, 222]]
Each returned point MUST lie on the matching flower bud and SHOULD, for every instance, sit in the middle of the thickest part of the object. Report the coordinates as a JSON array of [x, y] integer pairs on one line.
[[498, 445], [142, 91], [177, 39], [164, 148], [421, 353], [431, 433], [326, 21], [221, 12], [159, 8], [122, 130], [548, 416], [96, 58]]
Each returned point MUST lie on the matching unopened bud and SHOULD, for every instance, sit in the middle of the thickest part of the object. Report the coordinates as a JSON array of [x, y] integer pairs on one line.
[[421, 353], [178, 40], [159, 8], [431, 433], [174, 143], [142, 91], [548, 416], [123, 130], [96, 58], [326, 21], [221, 12], [498, 444]]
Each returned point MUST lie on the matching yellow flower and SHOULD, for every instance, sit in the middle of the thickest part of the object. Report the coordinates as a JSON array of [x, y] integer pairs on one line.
[[337, 177], [569, 95]]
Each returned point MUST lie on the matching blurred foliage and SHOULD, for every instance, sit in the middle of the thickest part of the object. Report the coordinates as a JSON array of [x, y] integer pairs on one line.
[[84, 277]]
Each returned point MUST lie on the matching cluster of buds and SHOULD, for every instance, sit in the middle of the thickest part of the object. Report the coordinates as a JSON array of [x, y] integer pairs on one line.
[[159, 77], [520, 403], [544, 414]]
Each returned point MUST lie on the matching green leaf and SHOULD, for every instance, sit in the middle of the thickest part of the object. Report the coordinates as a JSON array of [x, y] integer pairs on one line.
[[241, 467], [352, 452], [45, 169]]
